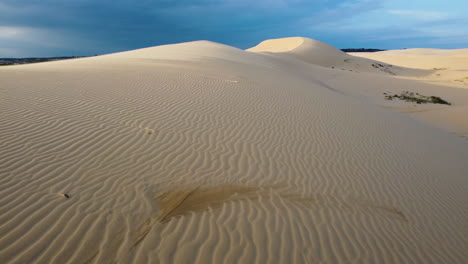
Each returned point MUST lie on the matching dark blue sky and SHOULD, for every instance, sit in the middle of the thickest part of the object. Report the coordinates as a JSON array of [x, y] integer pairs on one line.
[[86, 27]]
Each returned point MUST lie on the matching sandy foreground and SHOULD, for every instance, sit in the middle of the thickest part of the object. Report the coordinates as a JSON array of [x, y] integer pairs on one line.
[[203, 153]]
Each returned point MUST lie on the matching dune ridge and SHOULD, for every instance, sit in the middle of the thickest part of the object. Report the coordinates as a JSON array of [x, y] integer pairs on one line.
[[309, 50], [120, 132], [321, 54]]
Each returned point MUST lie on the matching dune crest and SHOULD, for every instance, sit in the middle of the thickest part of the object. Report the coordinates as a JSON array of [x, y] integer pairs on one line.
[[324, 55], [306, 49]]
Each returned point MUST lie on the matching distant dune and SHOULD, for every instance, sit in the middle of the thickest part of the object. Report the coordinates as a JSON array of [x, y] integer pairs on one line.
[[422, 58], [322, 54], [290, 152], [309, 50]]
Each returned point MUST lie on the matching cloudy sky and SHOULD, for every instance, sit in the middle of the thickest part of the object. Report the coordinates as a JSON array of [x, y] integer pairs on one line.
[[87, 27]]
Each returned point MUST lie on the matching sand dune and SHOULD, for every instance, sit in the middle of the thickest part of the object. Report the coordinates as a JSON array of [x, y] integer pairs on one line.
[[319, 53], [309, 50], [421, 58], [204, 153], [449, 67]]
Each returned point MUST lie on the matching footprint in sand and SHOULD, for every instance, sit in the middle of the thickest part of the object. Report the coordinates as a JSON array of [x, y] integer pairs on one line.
[[149, 131]]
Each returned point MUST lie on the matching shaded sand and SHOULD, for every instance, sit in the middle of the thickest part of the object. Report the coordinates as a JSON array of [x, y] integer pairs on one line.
[[203, 153]]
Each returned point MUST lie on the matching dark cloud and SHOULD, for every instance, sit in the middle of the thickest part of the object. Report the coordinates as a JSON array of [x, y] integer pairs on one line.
[[108, 26], [83, 27]]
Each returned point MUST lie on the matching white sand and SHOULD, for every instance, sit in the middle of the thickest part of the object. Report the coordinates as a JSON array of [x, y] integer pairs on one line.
[[445, 67], [421, 58], [203, 153]]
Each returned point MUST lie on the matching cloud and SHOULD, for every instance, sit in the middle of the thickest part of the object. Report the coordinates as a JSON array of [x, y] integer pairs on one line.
[[12, 32], [332, 18], [108, 26], [421, 15], [8, 53], [85, 27]]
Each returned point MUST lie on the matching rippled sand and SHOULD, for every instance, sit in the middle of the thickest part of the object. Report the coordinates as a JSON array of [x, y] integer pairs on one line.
[[204, 153]]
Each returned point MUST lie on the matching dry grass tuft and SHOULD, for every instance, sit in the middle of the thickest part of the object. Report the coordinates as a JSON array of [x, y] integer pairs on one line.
[[182, 201], [185, 200]]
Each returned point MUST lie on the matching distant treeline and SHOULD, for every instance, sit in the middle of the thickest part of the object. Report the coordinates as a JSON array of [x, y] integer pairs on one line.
[[16, 61], [361, 50]]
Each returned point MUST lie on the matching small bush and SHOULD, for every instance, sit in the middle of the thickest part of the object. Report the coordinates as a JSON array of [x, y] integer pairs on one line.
[[417, 98]]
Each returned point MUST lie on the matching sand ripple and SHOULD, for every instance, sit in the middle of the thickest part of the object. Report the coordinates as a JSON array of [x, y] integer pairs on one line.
[[358, 183]]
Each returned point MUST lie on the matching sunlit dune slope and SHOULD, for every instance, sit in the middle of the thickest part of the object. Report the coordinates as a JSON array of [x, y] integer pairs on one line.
[[204, 153]]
